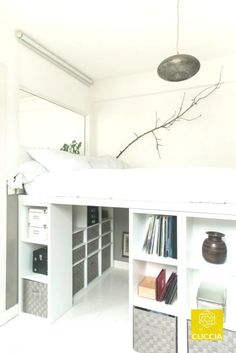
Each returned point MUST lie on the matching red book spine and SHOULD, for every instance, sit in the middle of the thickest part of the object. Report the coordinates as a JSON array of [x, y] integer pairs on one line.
[[160, 283], [170, 279]]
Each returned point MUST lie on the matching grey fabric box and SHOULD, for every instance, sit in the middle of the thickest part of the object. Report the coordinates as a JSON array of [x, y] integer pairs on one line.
[[78, 254], [78, 277], [154, 332], [106, 226], [93, 232], [35, 298], [78, 238], [227, 345], [106, 239], [106, 258], [92, 267], [92, 246]]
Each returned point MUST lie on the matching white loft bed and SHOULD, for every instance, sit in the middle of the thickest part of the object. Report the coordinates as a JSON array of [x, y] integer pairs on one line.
[[192, 194], [186, 189], [53, 181], [56, 176], [60, 177]]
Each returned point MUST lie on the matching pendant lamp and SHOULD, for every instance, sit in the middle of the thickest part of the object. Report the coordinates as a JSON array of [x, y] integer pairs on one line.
[[178, 67]]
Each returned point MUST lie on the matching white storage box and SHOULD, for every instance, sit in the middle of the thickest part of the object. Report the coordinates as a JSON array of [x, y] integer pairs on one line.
[[38, 217], [38, 223], [38, 233]]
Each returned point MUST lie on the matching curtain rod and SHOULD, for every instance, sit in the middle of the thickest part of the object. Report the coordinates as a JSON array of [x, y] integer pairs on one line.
[[53, 58]]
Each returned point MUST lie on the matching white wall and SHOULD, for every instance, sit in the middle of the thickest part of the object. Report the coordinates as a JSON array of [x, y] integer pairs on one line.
[[46, 80], [26, 69], [22, 68], [127, 105], [42, 78], [9, 141], [48, 125]]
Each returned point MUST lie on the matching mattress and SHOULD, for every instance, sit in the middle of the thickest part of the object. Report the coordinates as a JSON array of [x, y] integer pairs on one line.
[[215, 185]]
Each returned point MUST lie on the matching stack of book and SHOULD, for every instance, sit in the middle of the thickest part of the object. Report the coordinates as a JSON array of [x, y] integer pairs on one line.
[[166, 290], [161, 236], [157, 288]]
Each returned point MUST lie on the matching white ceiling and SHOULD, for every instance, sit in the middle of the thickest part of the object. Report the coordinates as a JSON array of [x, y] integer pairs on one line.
[[108, 38]]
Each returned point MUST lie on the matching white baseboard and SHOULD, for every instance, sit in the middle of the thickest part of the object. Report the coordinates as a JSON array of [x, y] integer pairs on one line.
[[9, 314], [121, 264]]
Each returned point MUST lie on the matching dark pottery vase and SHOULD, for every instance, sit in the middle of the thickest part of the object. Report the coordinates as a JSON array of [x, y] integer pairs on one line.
[[214, 249]]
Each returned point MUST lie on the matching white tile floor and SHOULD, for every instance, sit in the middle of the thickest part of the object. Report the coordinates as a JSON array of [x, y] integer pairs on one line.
[[98, 322]]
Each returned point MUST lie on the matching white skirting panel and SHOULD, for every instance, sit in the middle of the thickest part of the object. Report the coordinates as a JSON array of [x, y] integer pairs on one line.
[[9, 314], [121, 265]]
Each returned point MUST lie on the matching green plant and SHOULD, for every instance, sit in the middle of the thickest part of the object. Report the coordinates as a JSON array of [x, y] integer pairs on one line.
[[73, 147]]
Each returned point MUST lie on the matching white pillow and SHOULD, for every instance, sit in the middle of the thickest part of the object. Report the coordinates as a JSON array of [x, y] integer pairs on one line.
[[27, 172], [57, 160], [30, 170], [107, 162]]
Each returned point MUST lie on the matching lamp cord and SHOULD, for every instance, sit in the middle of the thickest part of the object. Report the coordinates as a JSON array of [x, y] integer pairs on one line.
[[177, 39]]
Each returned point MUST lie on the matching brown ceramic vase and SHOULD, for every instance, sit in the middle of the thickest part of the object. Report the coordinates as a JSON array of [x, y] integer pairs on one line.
[[214, 249]]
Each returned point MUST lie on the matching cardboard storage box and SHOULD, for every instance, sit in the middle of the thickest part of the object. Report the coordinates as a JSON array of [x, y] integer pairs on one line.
[[147, 288]]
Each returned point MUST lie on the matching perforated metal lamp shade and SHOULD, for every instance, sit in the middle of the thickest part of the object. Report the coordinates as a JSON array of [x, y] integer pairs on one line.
[[178, 67]]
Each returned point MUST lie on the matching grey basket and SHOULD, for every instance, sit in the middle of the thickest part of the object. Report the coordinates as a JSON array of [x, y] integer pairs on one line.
[[78, 277], [78, 254], [106, 239], [92, 267], [106, 226], [35, 298], [77, 238], [93, 232], [106, 258], [227, 345], [154, 332], [92, 246]]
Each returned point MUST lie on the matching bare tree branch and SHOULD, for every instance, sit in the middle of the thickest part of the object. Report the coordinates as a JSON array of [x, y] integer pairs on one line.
[[176, 117], [157, 144]]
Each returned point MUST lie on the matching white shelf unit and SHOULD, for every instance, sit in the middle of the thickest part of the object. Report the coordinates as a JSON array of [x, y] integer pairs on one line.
[[189, 265], [146, 268], [199, 270], [95, 246], [58, 282]]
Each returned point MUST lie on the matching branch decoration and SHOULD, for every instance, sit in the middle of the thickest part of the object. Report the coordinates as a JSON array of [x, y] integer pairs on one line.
[[176, 117]]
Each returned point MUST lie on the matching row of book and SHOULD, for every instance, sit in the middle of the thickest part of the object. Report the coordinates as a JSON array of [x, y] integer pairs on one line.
[[157, 288], [161, 236], [166, 290]]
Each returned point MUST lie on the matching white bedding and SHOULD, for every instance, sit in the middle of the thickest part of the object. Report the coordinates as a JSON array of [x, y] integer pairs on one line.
[[216, 185]]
